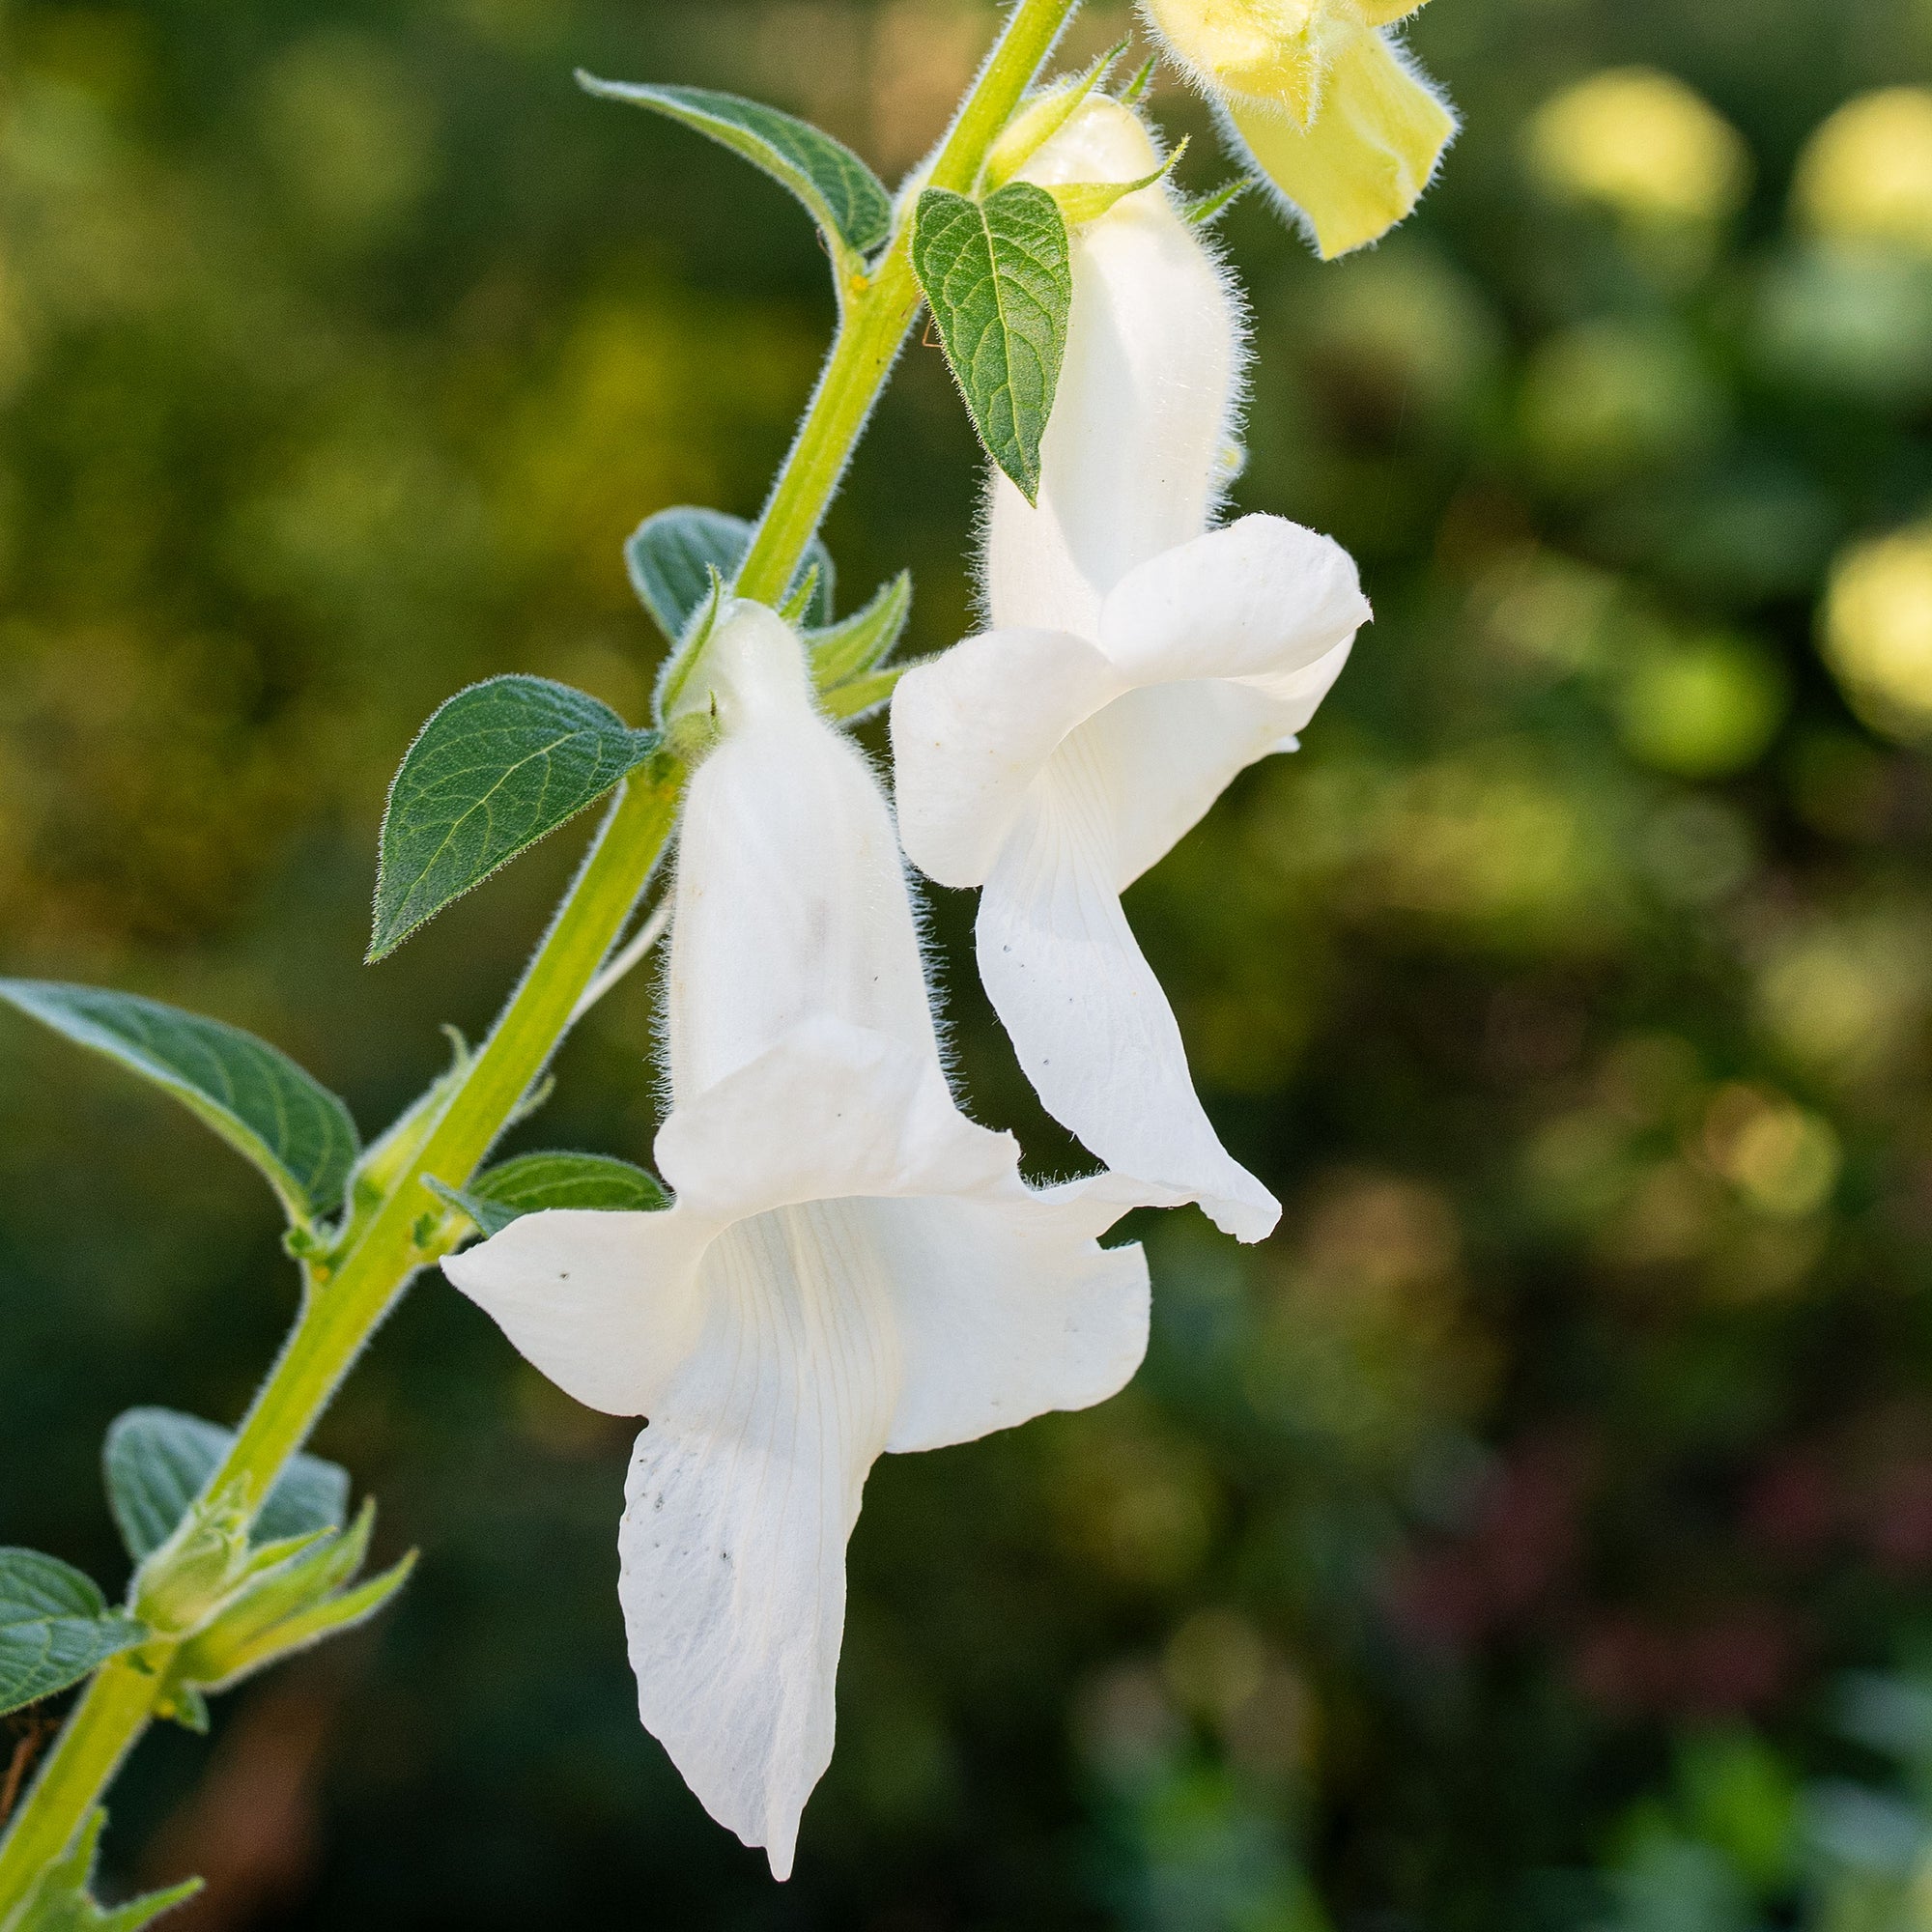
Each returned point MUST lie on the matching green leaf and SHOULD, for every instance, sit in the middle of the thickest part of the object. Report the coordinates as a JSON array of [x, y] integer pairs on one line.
[[799, 600], [253, 1095], [1139, 81], [1042, 116], [1000, 283], [157, 1461], [852, 700], [497, 768], [59, 1901], [671, 555], [535, 1181], [1206, 209], [843, 195], [55, 1627], [850, 648], [1087, 201]]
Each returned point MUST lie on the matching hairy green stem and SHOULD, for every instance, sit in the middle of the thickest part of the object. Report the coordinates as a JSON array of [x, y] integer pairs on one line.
[[344, 1310]]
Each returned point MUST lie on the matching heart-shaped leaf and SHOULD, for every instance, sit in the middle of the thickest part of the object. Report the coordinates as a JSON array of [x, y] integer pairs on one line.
[[497, 768], [55, 1627], [998, 276], [673, 554], [535, 1181], [253, 1095], [157, 1461], [843, 195]]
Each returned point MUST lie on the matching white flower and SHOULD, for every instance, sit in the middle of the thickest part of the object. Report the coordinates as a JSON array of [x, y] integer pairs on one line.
[[1134, 667], [851, 1264]]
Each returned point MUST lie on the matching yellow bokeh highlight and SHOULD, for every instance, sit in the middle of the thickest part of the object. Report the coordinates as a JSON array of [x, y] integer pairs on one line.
[[1332, 113], [1866, 174], [1644, 144], [1877, 625], [1783, 1158]]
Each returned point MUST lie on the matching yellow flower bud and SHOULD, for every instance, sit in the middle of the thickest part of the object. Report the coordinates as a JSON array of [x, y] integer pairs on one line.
[[1866, 174], [1330, 111]]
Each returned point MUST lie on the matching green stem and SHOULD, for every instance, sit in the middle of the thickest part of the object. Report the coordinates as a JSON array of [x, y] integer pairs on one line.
[[342, 1313], [99, 1732], [878, 312]]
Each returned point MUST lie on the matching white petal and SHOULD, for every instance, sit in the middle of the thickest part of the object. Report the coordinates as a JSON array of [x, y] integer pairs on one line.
[[831, 1110], [1167, 752], [1130, 460], [1263, 598], [971, 731], [792, 897], [1086, 1017], [1008, 1308], [740, 1498], [606, 1305]]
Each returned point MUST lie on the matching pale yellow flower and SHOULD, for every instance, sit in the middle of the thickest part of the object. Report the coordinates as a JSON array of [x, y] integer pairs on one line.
[[1644, 144], [1330, 110], [1866, 174], [1877, 625]]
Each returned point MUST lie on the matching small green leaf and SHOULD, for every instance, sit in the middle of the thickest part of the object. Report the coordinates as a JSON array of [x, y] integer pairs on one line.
[[1000, 281], [843, 195], [1042, 116], [59, 1901], [797, 606], [1206, 209], [1087, 201], [296, 1132], [535, 1181], [55, 1627], [671, 555], [184, 1704], [1139, 81], [850, 648], [157, 1461], [497, 767], [848, 702]]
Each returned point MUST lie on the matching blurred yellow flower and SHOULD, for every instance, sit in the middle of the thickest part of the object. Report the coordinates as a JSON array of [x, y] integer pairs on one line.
[[1330, 110], [1783, 1158], [1866, 174], [1644, 144], [1877, 625]]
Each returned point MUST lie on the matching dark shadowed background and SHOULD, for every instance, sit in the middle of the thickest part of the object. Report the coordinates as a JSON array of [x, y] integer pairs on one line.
[[1491, 1549]]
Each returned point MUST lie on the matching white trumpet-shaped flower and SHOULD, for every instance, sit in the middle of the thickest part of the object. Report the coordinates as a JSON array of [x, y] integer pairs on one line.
[[1135, 666], [851, 1267]]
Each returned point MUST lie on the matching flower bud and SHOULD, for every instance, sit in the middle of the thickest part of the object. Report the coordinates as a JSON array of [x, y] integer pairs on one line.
[[1329, 110]]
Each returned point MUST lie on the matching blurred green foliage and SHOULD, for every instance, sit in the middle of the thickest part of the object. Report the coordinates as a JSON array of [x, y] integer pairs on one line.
[[1487, 1550]]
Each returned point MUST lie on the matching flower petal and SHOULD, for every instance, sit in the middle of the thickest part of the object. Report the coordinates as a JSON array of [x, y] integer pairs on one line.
[[1167, 752], [1131, 460], [1086, 1017], [740, 1498], [1262, 598], [604, 1304], [971, 731], [831, 1110], [791, 896], [1008, 1308], [1361, 164]]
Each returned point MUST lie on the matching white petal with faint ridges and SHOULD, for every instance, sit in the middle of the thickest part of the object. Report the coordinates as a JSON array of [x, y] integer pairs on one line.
[[1167, 752], [606, 1305], [830, 1110], [1262, 598], [971, 731], [740, 1498], [790, 898], [1130, 456], [1007, 1309], [1088, 1019]]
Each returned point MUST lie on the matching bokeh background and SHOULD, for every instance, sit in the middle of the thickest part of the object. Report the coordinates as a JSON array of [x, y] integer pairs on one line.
[[1537, 1532]]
